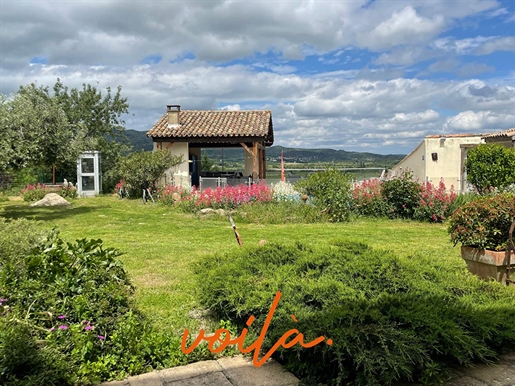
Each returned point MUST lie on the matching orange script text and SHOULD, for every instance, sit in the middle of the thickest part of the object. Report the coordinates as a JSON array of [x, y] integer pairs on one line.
[[223, 337]]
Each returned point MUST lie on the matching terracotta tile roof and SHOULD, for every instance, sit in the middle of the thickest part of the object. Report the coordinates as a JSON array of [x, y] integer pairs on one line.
[[216, 124], [453, 135], [505, 133]]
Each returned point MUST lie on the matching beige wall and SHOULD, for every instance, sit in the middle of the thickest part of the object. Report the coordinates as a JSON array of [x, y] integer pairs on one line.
[[415, 161], [249, 163], [449, 164], [180, 149]]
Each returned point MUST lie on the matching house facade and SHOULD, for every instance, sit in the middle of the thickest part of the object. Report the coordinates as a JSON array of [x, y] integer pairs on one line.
[[186, 132], [440, 157]]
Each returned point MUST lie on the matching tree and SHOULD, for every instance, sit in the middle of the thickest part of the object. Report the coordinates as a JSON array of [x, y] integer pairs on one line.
[[45, 129], [207, 164], [143, 169], [490, 165], [36, 131]]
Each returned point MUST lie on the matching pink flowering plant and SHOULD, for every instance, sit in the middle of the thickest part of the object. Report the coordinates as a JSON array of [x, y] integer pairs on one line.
[[368, 199], [401, 196], [34, 192], [435, 203], [228, 197]]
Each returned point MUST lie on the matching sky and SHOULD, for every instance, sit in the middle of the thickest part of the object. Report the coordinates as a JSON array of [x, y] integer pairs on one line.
[[361, 75]]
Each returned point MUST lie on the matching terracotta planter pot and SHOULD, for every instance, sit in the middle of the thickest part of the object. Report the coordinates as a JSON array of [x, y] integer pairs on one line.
[[487, 264]]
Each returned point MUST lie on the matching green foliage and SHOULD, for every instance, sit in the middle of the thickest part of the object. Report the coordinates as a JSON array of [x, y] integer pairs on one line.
[[142, 170], [462, 199], [403, 194], [330, 191], [390, 318], [43, 129], [69, 316], [484, 223], [35, 131], [208, 164], [368, 199], [490, 165], [279, 212]]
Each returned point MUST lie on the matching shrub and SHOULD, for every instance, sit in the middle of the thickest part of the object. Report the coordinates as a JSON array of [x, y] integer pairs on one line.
[[70, 306], [460, 200], [484, 223], [403, 194], [34, 192], [490, 165], [435, 203], [390, 318], [68, 191], [142, 170], [330, 191], [368, 199]]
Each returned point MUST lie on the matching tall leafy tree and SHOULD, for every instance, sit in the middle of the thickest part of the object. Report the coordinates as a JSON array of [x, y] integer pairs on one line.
[[46, 129]]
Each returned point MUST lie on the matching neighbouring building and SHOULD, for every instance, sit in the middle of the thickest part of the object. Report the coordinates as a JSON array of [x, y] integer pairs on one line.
[[505, 138], [441, 156], [186, 132]]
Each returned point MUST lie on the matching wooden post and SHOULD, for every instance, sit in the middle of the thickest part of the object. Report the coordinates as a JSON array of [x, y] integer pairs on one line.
[[255, 173], [53, 174]]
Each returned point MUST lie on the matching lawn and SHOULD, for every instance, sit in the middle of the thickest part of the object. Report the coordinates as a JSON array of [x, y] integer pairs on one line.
[[160, 244]]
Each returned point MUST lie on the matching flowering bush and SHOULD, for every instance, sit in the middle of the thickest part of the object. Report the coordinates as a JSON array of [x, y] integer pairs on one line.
[[231, 196], [219, 198], [68, 191], [34, 192], [284, 191], [435, 203], [397, 197], [403, 194], [484, 223], [38, 191], [172, 194], [368, 199]]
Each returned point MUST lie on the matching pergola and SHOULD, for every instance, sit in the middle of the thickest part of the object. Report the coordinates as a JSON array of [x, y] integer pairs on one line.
[[185, 132]]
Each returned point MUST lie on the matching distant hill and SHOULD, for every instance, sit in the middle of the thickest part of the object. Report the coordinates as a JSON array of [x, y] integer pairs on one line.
[[140, 141]]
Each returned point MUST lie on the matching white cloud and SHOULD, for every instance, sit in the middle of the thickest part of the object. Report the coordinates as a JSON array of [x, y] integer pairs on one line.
[[374, 106], [480, 121], [404, 27]]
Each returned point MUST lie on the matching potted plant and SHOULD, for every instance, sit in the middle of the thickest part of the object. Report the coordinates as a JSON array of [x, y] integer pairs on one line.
[[482, 227]]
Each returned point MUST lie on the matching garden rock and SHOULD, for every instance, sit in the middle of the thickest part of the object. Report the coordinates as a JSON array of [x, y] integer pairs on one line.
[[51, 199], [176, 197]]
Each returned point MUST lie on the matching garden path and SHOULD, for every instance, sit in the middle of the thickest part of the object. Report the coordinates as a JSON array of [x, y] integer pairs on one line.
[[239, 371]]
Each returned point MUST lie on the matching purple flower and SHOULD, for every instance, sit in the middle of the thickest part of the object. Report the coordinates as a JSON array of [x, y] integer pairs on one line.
[[61, 317], [63, 327], [88, 327], [101, 337]]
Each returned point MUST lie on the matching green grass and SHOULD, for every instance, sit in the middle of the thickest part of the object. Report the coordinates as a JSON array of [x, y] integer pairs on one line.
[[160, 245]]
